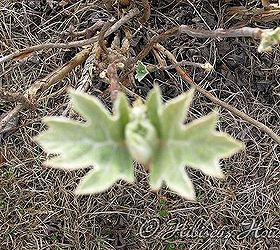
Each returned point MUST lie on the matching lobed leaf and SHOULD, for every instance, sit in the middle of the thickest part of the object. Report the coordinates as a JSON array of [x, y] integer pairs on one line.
[[99, 142], [197, 145], [153, 105], [141, 71], [155, 135]]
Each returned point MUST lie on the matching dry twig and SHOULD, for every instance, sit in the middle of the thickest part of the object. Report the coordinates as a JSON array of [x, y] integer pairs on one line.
[[41, 85], [32, 94], [223, 104], [255, 33], [146, 13], [14, 97], [88, 32], [13, 113], [114, 80], [101, 36], [245, 15], [132, 13]]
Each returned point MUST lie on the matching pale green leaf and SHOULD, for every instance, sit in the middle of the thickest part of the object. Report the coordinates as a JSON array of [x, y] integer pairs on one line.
[[142, 140], [166, 167], [122, 112], [197, 145], [269, 38], [153, 105], [174, 113], [141, 71], [99, 142], [98, 181], [154, 135]]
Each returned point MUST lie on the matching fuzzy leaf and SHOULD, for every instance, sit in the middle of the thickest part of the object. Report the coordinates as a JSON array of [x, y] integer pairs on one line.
[[99, 142], [141, 136], [154, 135], [153, 105], [197, 145]]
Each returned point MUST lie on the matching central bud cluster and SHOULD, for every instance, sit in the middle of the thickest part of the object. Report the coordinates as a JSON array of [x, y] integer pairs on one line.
[[141, 136]]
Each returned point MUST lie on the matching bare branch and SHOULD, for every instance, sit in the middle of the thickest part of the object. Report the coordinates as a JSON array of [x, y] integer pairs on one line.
[[11, 114], [255, 33], [113, 77], [241, 32], [57, 75], [32, 94], [147, 11], [101, 37], [14, 97], [223, 104], [88, 32], [132, 13]]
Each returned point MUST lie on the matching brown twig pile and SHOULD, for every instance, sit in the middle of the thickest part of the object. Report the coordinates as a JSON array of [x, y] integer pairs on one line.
[[94, 46]]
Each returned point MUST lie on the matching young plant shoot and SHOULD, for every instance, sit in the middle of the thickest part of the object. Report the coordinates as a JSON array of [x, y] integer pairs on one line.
[[154, 134]]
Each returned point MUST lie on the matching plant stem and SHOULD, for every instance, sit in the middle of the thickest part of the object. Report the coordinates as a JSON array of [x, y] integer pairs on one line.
[[223, 104]]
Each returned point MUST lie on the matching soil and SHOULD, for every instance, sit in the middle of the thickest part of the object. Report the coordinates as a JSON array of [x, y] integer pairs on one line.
[[38, 208]]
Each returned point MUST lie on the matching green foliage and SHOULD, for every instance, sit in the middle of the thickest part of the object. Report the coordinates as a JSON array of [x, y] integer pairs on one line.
[[163, 209], [196, 144], [171, 246], [101, 241], [141, 135], [141, 71], [9, 173], [3, 204], [54, 236], [269, 38], [153, 134], [99, 142]]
